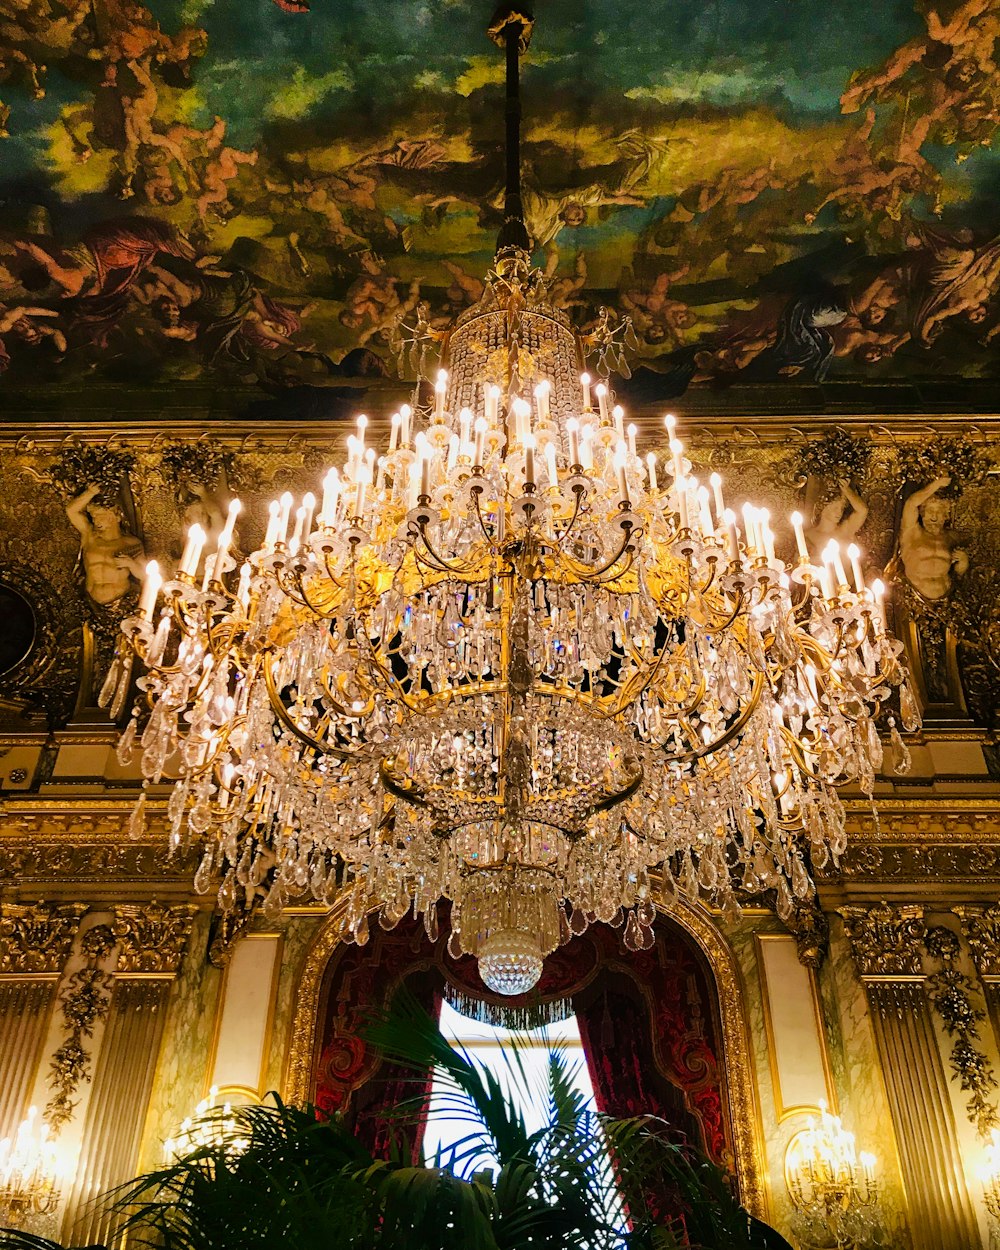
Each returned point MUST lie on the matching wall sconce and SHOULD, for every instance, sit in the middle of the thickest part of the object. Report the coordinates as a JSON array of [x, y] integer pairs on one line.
[[31, 1171], [832, 1187]]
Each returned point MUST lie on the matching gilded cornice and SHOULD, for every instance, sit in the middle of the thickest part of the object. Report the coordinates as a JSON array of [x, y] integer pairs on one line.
[[36, 939], [151, 938], [885, 941], [939, 818]]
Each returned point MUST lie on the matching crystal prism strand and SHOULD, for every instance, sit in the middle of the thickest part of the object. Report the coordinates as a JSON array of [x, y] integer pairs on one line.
[[909, 713], [902, 762], [137, 819]]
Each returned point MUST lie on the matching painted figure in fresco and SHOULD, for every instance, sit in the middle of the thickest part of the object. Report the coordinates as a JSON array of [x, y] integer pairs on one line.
[[959, 280], [656, 317], [566, 290], [928, 549], [112, 557], [32, 326], [864, 183], [465, 289], [840, 519], [871, 331], [372, 305]]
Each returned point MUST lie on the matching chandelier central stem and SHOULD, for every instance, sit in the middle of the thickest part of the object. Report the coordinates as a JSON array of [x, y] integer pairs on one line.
[[511, 29]]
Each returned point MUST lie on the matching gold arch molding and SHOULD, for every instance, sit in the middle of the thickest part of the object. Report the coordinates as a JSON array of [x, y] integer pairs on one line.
[[736, 1053]]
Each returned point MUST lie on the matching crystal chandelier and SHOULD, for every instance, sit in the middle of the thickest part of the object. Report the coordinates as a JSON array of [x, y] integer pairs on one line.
[[511, 663], [30, 1170], [209, 1130], [832, 1187]]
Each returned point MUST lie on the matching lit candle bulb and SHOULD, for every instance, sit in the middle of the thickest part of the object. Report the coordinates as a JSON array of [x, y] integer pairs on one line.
[[750, 530], [542, 400], [681, 486], [618, 416], [550, 464], [300, 520], [362, 426], [732, 541], [705, 512], [572, 429], [225, 540], [827, 577], [481, 427], [405, 415], [413, 490], [587, 448], [150, 589], [854, 555], [440, 387], [283, 517], [425, 473], [243, 589], [832, 555], [360, 491], [585, 383], [800, 535], [394, 432], [676, 448], [622, 476], [670, 421], [766, 533], [720, 506], [453, 448], [632, 431], [331, 489], [810, 673], [651, 469], [878, 597], [529, 461], [601, 391], [271, 534], [191, 554], [522, 414], [492, 404]]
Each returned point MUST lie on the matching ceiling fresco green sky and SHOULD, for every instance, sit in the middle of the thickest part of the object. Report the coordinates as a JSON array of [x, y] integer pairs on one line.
[[255, 191]]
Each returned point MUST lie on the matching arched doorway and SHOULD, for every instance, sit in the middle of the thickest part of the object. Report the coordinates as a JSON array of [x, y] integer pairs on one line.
[[671, 1019]]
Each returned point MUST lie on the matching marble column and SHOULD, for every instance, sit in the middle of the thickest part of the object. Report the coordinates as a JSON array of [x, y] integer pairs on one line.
[[35, 942], [886, 945]]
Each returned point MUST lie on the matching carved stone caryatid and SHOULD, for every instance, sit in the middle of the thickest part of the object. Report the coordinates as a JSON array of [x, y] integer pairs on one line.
[[885, 940], [151, 938], [981, 928], [36, 938]]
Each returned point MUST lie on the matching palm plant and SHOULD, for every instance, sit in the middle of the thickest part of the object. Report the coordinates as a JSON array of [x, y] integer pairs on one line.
[[278, 1176]]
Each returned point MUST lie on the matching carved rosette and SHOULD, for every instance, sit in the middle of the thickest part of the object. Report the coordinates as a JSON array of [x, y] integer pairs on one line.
[[981, 927], [151, 938], [885, 940], [36, 939]]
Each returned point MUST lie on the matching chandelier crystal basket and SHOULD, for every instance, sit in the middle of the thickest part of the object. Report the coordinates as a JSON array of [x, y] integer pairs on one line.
[[511, 663], [31, 1170]]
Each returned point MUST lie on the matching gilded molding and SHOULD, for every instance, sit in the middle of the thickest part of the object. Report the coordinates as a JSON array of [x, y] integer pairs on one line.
[[151, 938], [981, 929], [919, 862], [37, 938], [885, 940], [809, 926], [737, 1055], [84, 1001]]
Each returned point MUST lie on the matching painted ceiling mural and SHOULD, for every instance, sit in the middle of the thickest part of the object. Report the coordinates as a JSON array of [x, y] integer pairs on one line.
[[273, 192]]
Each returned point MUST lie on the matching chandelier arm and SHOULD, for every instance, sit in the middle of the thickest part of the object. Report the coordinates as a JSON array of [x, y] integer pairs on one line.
[[412, 795], [463, 573], [734, 730], [727, 622], [586, 574], [713, 561], [281, 712], [578, 494], [475, 491], [386, 673]]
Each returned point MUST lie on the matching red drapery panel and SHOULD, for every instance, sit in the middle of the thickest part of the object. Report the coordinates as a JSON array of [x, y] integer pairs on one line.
[[649, 1023]]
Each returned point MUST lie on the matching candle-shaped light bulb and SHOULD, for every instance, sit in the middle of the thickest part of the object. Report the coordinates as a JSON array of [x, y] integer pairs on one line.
[[440, 389], [225, 540], [670, 421], [362, 424], [300, 520], [243, 589], [720, 506], [601, 391], [585, 383], [550, 464], [854, 555], [191, 555], [766, 533], [631, 432], [542, 400], [522, 419], [750, 530], [573, 430], [283, 517], [405, 416], [529, 461], [704, 511], [676, 450], [394, 432], [800, 535], [331, 490], [651, 470], [619, 463], [831, 555], [681, 486], [465, 427], [492, 404], [454, 444], [271, 534], [150, 589], [618, 416], [587, 448], [481, 427]]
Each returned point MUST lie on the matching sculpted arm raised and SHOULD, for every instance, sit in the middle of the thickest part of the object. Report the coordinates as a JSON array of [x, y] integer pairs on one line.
[[76, 509]]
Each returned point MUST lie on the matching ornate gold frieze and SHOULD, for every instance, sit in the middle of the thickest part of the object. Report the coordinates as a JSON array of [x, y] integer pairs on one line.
[[83, 1002], [901, 862], [885, 940], [981, 928], [37, 938], [151, 938]]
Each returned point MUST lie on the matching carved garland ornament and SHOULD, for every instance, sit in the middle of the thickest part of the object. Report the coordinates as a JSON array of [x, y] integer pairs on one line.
[[949, 992], [84, 1002], [981, 927], [37, 938]]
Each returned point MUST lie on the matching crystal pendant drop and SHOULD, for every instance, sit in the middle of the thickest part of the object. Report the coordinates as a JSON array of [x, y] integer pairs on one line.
[[510, 962]]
